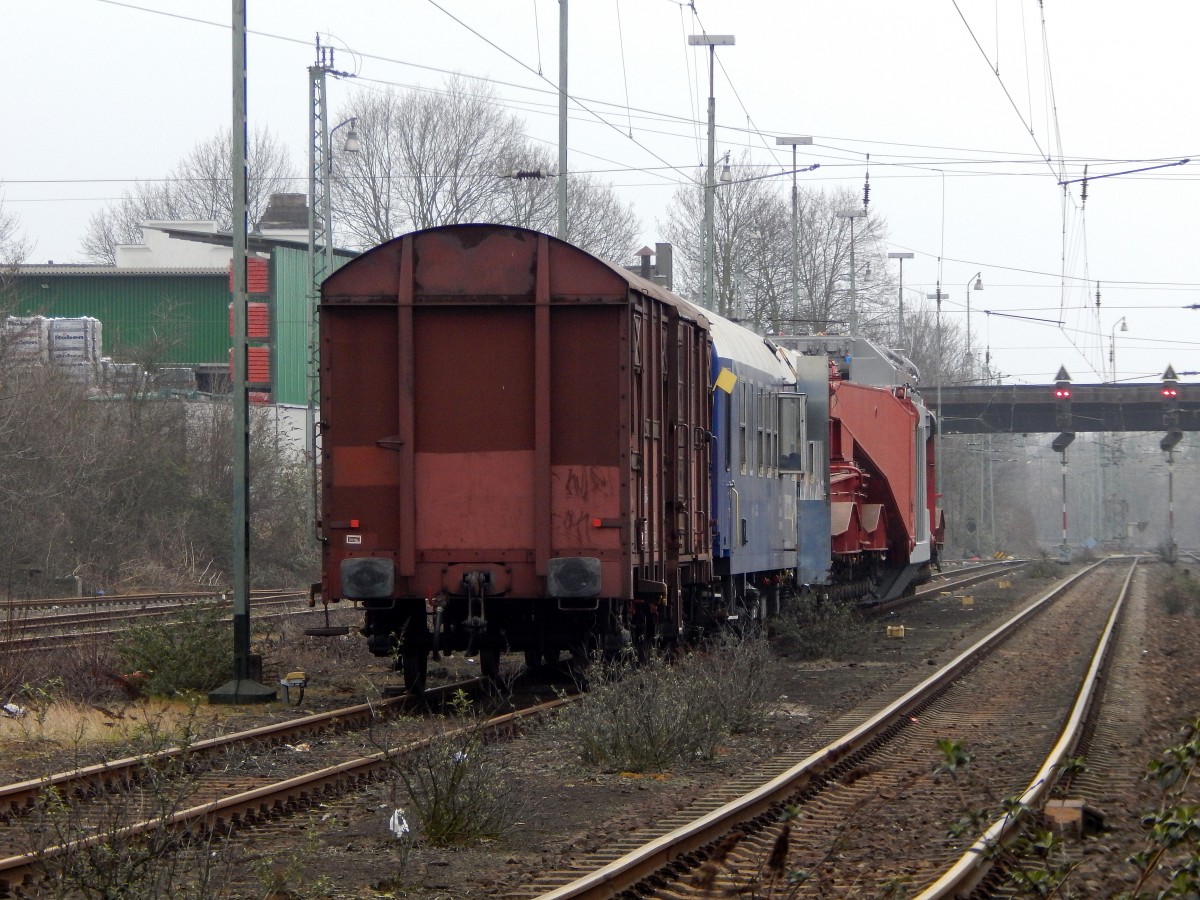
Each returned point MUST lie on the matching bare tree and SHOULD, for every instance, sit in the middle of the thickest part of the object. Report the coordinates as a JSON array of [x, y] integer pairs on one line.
[[597, 220], [752, 250], [366, 187], [199, 187], [431, 159], [14, 246], [14, 249], [438, 158], [752, 262], [825, 262]]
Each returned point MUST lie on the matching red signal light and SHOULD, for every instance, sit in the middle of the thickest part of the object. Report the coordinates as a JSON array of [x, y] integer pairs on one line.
[[1170, 393], [1062, 393]]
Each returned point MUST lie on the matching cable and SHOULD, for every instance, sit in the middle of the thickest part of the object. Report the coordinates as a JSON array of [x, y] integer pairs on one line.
[[624, 73], [537, 35], [574, 99], [996, 72]]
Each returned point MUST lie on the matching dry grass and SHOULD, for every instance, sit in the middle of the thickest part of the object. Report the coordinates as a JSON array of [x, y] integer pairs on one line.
[[63, 734]]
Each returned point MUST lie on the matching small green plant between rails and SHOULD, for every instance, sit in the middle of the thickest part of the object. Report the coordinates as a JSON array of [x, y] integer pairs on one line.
[[1169, 864]]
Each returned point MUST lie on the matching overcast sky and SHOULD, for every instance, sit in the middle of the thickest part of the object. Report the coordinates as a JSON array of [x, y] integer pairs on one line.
[[967, 110]]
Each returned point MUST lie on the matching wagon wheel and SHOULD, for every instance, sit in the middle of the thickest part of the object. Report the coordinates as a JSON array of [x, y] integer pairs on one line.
[[542, 656], [489, 663], [416, 669], [643, 637], [414, 654]]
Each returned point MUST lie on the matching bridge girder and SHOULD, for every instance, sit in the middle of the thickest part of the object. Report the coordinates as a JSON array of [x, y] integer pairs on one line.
[[1031, 408]]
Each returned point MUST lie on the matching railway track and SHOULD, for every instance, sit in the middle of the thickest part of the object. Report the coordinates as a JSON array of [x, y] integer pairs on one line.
[[238, 793], [31, 625], [955, 579], [873, 809], [231, 783]]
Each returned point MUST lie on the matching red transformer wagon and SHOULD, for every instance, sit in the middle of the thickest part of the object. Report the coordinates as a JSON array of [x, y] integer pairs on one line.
[[513, 443]]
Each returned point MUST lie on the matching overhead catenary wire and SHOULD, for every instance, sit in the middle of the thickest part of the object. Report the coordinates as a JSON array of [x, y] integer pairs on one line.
[[693, 121], [573, 99], [624, 73], [831, 168]]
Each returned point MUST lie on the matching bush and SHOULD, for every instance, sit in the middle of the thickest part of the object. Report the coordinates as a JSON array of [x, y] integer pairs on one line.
[[1180, 592], [659, 715], [157, 862], [456, 785], [193, 652], [813, 628], [1042, 567], [739, 677]]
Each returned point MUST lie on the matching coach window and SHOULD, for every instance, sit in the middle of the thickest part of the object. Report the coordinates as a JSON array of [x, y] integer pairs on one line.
[[792, 436], [761, 422], [743, 435], [728, 431], [773, 439]]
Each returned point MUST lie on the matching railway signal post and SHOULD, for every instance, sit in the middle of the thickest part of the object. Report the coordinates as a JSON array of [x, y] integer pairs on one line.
[[1170, 395], [1062, 419], [245, 686]]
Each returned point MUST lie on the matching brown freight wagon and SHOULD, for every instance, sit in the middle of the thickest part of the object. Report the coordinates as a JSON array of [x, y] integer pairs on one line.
[[514, 447]]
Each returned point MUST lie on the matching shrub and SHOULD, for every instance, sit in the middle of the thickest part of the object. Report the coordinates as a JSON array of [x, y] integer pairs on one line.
[[193, 652], [456, 785], [1042, 567], [1180, 592], [815, 628], [158, 862], [739, 677], [656, 716]]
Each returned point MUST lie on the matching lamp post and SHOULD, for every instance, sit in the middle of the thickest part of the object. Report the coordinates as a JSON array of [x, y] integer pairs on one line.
[[939, 297], [852, 215], [1112, 345], [244, 687], [977, 287], [900, 293], [711, 41], [794, 142], [562, 120], [320, 240]]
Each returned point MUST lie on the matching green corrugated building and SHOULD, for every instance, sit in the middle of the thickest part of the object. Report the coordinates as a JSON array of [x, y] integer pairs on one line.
[[167, 317], [179, 316]]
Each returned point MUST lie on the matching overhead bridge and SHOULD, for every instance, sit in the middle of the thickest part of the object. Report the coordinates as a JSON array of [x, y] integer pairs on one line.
[[1031, 408]]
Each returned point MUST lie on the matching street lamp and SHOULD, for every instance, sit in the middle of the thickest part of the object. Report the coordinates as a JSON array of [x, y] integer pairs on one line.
[[711, 41], [1112, 345], [900, 327], [852, 214], [794, 142], [352, 144], [977, 287]]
